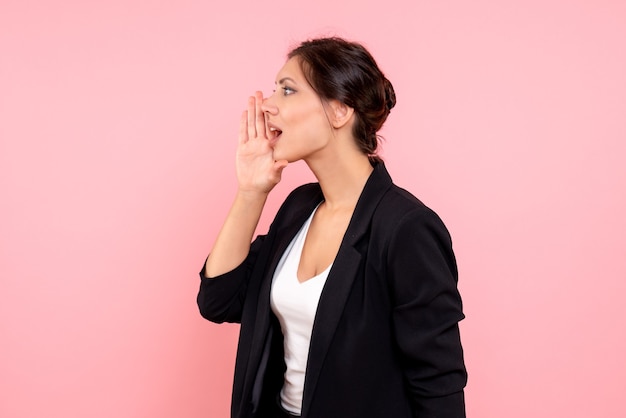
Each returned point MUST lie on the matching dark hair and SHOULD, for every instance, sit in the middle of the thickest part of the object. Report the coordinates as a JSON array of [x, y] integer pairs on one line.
[[345, 71]]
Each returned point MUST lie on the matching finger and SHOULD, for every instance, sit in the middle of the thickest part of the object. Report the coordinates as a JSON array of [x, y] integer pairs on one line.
[[243, 127], [251, 118], [267, 128], [278, 168], [260, 115]]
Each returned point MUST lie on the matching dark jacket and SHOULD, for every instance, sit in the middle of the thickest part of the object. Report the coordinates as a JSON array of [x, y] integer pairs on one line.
[[385, 340]]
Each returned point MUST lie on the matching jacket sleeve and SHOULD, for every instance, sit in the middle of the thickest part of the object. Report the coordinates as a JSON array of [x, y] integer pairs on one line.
[[426, 312], [220, 299]]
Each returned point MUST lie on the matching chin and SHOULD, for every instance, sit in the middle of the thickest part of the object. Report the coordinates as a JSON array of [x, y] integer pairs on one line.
[[291, 155]]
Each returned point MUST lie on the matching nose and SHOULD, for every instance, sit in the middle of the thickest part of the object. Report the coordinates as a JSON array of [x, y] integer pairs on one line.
[[268, 105]]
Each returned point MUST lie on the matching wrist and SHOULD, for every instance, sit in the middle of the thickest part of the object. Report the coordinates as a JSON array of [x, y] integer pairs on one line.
[[252, 196]]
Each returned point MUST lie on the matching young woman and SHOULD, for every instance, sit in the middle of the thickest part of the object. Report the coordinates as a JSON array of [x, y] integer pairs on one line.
[[349, 305]]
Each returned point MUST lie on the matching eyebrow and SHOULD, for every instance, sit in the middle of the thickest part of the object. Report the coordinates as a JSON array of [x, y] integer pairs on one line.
[[282, 80]]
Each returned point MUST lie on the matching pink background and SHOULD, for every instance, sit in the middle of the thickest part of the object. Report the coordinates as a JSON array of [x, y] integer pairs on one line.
[[118, 124]]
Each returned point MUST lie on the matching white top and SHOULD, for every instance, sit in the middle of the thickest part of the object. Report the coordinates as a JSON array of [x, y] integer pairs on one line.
[[295, 305]]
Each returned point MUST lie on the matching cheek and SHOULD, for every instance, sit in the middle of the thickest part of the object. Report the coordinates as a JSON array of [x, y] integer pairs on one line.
[[312, 121], [305, 110], [299, 116]]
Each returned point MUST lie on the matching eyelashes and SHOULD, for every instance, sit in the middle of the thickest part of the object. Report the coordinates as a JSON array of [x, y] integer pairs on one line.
[[287, 91]]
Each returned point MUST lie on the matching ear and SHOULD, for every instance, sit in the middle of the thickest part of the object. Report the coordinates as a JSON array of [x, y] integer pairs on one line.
[[340, 114]]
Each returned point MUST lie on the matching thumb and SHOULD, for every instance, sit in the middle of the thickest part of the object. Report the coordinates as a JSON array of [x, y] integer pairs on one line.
[[280, 165]]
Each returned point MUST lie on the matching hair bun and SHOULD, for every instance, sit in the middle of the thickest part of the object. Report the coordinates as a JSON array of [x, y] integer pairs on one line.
[[390, 95]]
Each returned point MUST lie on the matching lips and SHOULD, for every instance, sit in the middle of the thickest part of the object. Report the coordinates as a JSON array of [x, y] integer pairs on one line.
[[274, 130]]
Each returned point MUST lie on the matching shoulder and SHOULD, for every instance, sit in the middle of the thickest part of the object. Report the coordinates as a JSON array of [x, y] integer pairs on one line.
[[401, 215], [393, 200], [398, 204]]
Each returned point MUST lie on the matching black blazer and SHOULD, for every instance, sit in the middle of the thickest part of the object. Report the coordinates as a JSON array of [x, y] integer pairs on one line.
[[385, 340]]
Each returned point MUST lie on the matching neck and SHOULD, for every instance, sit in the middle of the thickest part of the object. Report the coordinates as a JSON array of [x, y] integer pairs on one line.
[[342, 179]]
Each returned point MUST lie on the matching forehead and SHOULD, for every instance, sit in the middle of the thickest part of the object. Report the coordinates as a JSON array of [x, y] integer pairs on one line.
[[292, 70]]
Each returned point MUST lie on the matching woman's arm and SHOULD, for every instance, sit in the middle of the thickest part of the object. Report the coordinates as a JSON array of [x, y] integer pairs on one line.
[[233, 241], [427, 310]]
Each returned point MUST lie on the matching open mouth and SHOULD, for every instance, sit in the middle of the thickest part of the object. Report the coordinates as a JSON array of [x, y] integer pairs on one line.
[[275, 132]]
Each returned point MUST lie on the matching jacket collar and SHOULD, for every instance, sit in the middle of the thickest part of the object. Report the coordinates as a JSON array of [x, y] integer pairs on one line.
[[375, 187]]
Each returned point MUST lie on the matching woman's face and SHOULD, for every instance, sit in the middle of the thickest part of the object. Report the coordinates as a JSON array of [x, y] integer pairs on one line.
[[296, 119]]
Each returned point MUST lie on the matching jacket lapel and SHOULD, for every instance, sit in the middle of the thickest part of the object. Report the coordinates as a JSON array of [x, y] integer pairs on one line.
[[340, 279]]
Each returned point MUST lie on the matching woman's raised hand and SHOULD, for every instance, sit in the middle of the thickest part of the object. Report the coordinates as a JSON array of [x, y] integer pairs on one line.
[[257, 171]]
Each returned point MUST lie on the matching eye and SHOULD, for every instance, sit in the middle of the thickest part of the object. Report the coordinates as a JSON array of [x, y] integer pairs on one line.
[[288, 91]]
